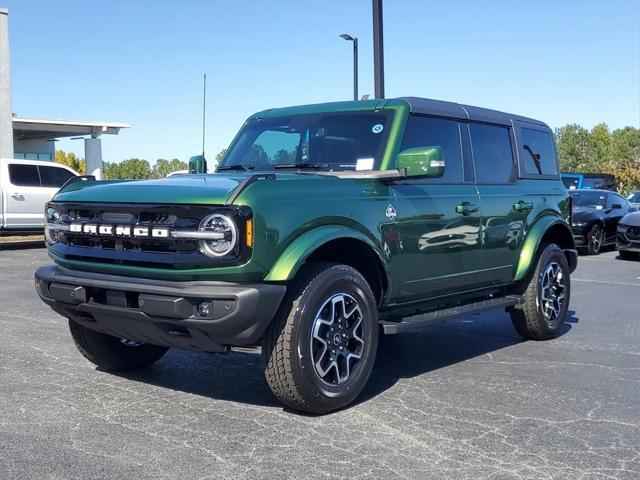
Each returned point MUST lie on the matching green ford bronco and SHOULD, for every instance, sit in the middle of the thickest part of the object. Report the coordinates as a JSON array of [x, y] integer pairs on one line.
[[324, 227]]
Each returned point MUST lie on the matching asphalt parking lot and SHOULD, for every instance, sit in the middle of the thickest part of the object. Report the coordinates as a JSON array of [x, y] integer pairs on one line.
[[464, 399]]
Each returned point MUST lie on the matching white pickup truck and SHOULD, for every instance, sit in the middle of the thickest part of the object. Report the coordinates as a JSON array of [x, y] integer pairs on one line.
[[25, 187]]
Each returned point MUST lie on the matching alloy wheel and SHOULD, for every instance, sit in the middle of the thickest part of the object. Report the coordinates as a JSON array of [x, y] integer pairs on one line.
[[595, 239], [337, 343], [552, 293]]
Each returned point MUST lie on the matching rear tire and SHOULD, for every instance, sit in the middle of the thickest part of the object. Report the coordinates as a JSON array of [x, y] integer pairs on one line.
[[321, 347], [546, 297], [111, 353]]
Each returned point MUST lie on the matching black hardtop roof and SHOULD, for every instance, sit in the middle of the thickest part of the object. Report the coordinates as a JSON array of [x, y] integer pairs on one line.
[[590, 174], [595, 190], [428, 106]]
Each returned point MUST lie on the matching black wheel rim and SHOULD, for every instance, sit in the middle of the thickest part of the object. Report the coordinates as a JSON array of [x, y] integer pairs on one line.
[[337, 339]]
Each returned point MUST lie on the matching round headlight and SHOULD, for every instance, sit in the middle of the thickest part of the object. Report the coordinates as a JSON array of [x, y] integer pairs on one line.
[[224, 241], [50, 235]]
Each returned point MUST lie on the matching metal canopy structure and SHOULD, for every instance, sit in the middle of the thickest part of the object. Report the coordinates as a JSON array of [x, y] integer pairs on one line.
[[42, 129]]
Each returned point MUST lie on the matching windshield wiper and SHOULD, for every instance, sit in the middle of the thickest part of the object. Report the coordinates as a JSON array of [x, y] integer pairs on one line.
[[244, 168], [298, 166]]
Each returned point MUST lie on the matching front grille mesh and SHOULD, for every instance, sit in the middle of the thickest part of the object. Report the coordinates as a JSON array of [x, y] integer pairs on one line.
[[166, 253]]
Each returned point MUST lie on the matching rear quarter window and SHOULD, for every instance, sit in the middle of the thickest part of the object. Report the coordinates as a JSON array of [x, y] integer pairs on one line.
[[24, 175], [537, 152]]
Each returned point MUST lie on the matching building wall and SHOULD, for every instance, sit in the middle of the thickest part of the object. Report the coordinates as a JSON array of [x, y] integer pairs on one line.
[[6, 127], [34, 149]]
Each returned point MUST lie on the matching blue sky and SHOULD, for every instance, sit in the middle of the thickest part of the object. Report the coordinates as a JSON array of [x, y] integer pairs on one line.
[[142, 62]]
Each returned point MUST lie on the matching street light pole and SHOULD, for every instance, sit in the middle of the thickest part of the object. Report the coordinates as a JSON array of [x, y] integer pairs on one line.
[[355, 62]]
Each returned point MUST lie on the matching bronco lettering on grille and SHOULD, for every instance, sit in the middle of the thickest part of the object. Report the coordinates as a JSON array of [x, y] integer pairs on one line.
[[119, 230]]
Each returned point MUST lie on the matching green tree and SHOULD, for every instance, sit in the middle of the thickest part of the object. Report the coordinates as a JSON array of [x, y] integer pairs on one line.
[[256, 156], [164, 167], [576, 148], [132, 168], [70, 160], [603, 151], [218, 158], [111, 171], [625, 158], [284, 157]]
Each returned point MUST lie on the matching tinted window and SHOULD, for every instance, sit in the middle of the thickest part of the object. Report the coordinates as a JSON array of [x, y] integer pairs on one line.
[[537, 152], [571, 182], [54, 176], [434, 132], [612, 199], [582, 198], [24, 175], [604, 183], [634, 197], [491, 153]]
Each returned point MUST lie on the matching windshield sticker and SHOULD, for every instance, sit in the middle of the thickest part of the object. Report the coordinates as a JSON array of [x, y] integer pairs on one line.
[[377, 128], [364, 164]]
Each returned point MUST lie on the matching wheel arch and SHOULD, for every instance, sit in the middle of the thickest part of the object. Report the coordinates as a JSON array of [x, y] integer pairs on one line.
[[544, 231], [338, 244]]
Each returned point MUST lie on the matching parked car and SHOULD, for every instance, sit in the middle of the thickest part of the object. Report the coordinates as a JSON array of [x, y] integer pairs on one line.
[[323, 227], [595, 217], [25, 187], [578, 181], [634, 199], [629, 236]]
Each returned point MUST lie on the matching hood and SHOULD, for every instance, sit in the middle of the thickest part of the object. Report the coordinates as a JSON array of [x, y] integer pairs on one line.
[[631, 219], [183, 189], [582, 214]]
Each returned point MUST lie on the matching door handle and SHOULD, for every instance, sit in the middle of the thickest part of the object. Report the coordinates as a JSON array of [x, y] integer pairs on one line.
[[16, 195], [522, 206], [466, 208]]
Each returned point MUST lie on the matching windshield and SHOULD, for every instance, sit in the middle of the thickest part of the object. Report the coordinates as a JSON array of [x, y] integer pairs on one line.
[[570, 182], [588, 199], [634, 197], [326, 141]]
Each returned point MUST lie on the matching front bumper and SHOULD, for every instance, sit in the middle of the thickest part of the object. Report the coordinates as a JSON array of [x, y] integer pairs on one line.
[[162, 312], [579, 236], [628, 238]]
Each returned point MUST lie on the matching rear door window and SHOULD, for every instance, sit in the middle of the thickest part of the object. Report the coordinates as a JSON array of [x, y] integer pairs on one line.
[[492, 153], [54, 176], [537, 153], [24, 175], [436, 132]]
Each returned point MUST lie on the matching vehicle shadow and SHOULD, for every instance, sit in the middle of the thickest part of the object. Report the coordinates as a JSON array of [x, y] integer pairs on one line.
[[239, 377], [438, 346]]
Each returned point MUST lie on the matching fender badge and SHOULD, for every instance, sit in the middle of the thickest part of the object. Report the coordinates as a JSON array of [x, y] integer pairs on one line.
[[391, 212]]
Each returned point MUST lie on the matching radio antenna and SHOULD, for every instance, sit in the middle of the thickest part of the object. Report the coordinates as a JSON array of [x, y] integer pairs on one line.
[[204, 109]]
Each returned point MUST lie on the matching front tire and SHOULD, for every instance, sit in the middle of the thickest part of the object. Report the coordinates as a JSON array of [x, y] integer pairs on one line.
[[546, 297], [111, 353], [321, 347], [595, 239]]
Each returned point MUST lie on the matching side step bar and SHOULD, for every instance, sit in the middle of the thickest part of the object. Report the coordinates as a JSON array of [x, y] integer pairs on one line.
[[390, 328]]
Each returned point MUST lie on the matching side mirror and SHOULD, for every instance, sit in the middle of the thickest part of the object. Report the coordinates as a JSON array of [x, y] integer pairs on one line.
[[422, 162], [197, 164], [616, 206]]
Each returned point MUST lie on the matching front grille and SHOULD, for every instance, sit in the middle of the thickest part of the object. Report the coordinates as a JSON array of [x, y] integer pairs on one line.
[[163, 252]]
